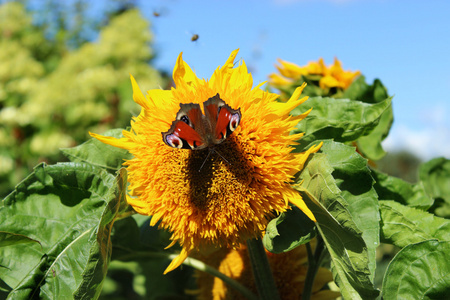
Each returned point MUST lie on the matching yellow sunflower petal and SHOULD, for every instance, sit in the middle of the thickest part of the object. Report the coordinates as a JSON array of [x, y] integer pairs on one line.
[[182, 73], [123, 143], [138, 97], [293, 102], [328, 82], [177, 261], [297, 200], [290, 70], [278, 80]]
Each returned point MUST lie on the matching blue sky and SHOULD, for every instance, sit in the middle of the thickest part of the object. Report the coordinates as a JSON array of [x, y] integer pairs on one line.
[[406, 44]]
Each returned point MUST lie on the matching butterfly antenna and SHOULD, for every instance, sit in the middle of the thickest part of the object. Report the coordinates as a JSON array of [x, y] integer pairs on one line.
[[221, 156], [209, 153]]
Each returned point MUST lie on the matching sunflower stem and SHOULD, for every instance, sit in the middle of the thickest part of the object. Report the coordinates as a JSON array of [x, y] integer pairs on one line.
[[262, 273], [199, 265], [313, 267]]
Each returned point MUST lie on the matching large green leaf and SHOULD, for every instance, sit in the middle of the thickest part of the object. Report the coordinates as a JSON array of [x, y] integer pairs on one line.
[[419, 271], [99, 154], [100, 252], [393, 188], [435, 175], [346, 247], [288, 230], [353, 178], [340, 119], [69, 208], [339, 204], [402, 225]]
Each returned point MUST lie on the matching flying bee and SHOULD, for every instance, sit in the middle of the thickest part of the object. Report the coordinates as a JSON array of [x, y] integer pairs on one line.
[[194, 37]]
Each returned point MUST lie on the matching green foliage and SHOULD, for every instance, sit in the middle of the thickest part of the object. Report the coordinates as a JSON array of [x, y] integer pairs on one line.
[[419, 271], [347, 215], [362, 113], [52, 95], [288, 230], [342, 119], [402, 225], [132, 239], [66, 211], [344, 194], [435, 175], [99, 154], [393, 188], [370, 144]]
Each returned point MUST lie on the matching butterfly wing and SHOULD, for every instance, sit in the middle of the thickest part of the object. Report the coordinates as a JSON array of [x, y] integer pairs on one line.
[[223, 119], [183, 132]]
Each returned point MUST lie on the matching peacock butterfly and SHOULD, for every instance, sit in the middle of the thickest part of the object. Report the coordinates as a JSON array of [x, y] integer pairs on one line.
[[194, 130]]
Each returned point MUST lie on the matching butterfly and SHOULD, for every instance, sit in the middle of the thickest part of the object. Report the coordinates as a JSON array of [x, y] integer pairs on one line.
[[194, 130]]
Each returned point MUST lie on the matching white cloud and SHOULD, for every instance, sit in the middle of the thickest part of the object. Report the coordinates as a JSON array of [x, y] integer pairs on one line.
[[426, 143], [435, 115]]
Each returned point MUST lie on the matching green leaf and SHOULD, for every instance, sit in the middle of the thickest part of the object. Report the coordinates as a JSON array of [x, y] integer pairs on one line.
[[396, 189], [370, 145], [337, 210], [99, 154], [9, 239], [402, 225], [69, 208], [346, 247], [353, 178], [347, 120], [435, 175], [343, 120], [419, 271], [287, 231], [100, 252], [361, 91]]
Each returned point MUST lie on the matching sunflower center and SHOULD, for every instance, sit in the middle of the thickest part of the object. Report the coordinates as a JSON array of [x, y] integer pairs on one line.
[[216, 173]]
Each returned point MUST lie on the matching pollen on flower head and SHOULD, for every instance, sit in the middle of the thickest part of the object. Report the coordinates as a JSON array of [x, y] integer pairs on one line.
[[220, 195]]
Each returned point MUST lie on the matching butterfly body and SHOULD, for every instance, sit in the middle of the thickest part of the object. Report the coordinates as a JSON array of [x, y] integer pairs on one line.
[[194, 130]]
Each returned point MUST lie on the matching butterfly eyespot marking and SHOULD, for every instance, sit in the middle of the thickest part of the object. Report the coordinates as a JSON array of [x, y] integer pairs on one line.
[[234, 121], [174, 141]]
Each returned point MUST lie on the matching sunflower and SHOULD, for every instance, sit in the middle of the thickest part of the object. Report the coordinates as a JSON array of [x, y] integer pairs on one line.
[[213, 198], [333, 76], [289, 272]]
